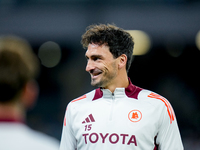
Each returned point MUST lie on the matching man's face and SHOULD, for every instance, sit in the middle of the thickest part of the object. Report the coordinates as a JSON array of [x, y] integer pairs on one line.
[[101, 65]]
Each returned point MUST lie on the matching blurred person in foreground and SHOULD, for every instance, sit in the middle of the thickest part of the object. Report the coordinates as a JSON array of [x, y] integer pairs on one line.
[[118, 115], [18, 91]]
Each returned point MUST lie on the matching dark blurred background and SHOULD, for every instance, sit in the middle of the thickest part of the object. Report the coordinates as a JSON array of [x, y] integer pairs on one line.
[[170, 67]]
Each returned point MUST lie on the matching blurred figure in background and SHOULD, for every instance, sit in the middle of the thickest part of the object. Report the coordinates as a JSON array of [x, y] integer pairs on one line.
[[18, 91]]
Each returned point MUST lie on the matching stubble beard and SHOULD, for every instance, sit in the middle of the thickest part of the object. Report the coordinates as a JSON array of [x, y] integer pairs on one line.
[[106, 78]]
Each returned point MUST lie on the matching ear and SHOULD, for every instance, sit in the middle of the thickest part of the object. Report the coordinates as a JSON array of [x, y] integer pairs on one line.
[[30, 94], [122, 61]]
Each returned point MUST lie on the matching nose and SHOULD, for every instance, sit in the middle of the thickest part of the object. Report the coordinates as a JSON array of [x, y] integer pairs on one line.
[[90, 66]]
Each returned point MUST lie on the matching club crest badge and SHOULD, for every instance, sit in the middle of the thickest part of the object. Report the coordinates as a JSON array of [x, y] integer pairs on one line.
[[135, 116]]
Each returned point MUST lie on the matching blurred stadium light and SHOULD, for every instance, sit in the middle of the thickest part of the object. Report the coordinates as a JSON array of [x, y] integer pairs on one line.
[[197, 40], [50, 54], [142, 42]]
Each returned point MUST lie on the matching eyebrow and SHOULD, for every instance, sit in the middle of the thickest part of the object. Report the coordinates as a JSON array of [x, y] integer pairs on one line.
[[98, 56]]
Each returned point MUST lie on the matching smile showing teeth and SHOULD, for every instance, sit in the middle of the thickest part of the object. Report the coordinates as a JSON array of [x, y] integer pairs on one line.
[[95, 73]]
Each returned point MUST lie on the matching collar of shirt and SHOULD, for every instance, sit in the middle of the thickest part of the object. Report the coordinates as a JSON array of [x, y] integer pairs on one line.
[[131, 91]]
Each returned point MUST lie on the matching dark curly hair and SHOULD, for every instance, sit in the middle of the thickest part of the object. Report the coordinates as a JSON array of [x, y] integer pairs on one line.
[[119, 41]]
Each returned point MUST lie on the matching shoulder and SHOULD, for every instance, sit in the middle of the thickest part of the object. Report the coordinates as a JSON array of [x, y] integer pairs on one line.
[[88, 97], [42, 140], [158, 101], [152, 97], [23, 137]]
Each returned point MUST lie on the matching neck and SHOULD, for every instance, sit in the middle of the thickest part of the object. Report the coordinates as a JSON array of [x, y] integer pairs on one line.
[[118, 82], [13, 112]]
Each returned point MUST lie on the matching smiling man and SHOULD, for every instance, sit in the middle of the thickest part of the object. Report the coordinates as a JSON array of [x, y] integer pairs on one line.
[[118, 115], [104, 70]]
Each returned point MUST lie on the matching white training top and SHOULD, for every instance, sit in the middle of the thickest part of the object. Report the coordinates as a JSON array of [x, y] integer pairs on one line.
[[129, 119], [17, 136]]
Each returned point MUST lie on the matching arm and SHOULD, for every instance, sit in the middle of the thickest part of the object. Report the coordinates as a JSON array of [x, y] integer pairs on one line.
[[168, 137], [68, 141]]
